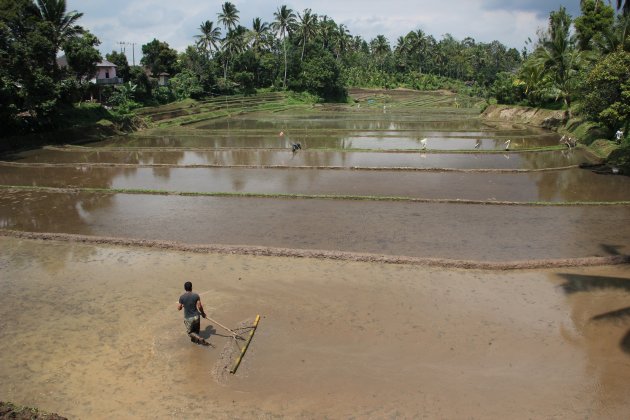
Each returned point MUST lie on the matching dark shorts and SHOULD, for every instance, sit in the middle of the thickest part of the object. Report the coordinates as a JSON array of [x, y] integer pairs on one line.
[[192, 324]]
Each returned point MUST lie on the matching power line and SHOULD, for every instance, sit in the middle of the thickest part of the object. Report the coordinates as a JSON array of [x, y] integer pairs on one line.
[[123, 45]]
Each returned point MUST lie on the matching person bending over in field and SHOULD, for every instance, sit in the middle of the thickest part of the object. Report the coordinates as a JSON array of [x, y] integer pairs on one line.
[[193, 309]]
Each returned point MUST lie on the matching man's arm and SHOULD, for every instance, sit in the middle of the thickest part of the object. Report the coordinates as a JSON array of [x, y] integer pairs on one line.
[[200, 308]]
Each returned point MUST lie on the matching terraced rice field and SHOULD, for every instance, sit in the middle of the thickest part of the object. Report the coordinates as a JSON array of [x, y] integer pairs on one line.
[[424, 164], [397, 277]]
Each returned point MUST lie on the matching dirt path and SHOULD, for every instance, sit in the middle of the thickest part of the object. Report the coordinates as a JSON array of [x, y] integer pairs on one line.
[[336, 339]]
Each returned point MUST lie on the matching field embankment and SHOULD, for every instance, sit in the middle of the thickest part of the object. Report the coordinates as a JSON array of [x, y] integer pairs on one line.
[[545, 118]]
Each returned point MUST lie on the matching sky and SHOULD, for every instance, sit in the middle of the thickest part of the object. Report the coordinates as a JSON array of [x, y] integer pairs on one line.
[[177, 21]]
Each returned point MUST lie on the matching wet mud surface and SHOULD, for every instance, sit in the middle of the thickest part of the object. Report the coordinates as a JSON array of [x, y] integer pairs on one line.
[[573, 184], [430, 230], [336, 339]]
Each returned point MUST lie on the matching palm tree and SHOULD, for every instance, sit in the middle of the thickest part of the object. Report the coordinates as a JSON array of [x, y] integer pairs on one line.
[[258, 34], [326, 30], [233, 43], [379, 46], [401, 51], [64, 23], [341, 40], [228, 16], [417, 44], [558, 55], [285, 21], [210, 37], [625, 7], [307, 28], [615, 37]]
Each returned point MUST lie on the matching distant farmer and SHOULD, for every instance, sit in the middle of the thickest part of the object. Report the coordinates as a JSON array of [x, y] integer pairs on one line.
[[618, 136], [191, 302]]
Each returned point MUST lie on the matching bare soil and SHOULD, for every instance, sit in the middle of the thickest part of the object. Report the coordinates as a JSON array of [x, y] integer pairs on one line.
[[92, 331]]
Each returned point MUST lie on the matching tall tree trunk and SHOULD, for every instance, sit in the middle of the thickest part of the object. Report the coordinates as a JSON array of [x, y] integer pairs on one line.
[[284, 84], [567, 102]]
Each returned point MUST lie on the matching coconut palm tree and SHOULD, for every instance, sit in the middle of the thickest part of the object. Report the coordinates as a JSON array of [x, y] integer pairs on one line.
[[228, 16], [257, 36], [379, 46], [341, 38], [327, 28], [307, 28], [285, 21], [558, 55], [233, 43], [615, 37], [64, 23], [210, 37]]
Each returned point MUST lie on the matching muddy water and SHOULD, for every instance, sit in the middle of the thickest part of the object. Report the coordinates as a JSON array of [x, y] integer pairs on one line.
[[335, 340], [564, 185], [309, 141], [525, 160], [455, 231]]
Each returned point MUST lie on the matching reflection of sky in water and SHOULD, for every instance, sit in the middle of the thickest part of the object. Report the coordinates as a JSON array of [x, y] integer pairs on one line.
[[534, 160], [370, 140], [561, 185]]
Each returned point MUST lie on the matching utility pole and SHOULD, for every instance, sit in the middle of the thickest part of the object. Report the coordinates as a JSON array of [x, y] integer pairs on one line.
[[133, 49]]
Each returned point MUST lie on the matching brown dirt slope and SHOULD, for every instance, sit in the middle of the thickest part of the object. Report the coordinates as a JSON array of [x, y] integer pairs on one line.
[[533, 116]]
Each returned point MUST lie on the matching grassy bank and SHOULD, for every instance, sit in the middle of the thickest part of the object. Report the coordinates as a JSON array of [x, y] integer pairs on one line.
[[596, 139], [77, 124]]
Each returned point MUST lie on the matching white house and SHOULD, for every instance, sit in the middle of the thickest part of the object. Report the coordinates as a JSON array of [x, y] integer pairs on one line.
[[106, 74]]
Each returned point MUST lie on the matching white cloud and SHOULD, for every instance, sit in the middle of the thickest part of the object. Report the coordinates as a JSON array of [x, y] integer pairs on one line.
[[176, 22]]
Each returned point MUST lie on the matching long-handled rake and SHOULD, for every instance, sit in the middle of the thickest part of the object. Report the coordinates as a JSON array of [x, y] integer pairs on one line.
[[234, 334], [237, 337]]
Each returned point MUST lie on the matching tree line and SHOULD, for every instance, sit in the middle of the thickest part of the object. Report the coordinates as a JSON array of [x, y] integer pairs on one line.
[[581, 65], [307, 52]]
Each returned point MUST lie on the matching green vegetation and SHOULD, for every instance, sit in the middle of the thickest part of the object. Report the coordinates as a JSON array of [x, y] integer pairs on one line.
[[585, 73]]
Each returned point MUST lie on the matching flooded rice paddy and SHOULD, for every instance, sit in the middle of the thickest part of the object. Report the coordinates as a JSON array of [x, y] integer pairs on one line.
[[556, 186], [337, 338], [306, 158], [469, 232]]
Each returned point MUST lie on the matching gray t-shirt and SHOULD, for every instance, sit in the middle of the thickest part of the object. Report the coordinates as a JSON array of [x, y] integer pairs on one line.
[[189, 300]]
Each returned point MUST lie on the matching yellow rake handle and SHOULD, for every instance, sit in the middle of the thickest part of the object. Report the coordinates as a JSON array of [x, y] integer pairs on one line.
[[244, 349]]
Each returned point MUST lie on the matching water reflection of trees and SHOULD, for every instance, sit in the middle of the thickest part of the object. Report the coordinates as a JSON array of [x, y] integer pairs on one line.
[[581, 185], [50, 211]]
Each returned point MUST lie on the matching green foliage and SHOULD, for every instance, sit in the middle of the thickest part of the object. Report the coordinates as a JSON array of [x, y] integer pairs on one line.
[[607, 91], [185, 85], [123, 96], [29, 75], [320, 75], [596, 18], [122, 65], [144, 87], [245, 80], [82, 55], [163, 95], [507, 89], [159, 57]]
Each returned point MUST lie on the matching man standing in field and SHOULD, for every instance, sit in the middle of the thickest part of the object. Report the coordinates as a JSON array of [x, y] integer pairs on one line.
[[193, 309]]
